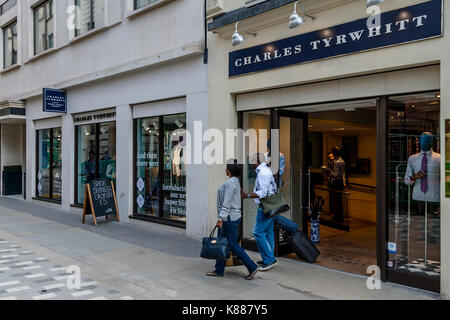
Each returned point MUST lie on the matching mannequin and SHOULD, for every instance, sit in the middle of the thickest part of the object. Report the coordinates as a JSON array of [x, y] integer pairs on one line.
[[423, 172], [177, 160]]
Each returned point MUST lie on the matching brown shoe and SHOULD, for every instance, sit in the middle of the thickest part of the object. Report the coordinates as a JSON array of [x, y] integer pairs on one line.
[[252, 275], [213, 274]]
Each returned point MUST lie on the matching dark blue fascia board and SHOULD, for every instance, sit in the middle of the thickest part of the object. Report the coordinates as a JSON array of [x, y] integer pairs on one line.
[[11, 111], [245, 13]]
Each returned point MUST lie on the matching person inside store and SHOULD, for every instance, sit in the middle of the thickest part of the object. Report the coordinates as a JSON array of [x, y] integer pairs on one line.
[[335, 171], [263, 232], [89, 167], [230, 216], [111, 169]]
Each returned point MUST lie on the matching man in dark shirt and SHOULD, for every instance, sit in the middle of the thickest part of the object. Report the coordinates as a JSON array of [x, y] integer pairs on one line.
[[336, 174]]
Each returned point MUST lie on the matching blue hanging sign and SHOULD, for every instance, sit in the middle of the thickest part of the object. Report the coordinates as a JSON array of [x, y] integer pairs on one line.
[[54, 100], [414, 23]]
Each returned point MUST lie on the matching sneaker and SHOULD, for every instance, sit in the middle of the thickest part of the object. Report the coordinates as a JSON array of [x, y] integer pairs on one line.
[[260, 262], [266, 267], [252, 275]]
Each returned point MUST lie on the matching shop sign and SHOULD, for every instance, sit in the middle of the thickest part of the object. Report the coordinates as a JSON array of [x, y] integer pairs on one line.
[[94, 117], [100, 200], [54, 100], [414, 23]]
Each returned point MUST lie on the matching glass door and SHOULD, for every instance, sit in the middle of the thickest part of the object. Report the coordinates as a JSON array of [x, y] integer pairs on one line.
[[281, 137], [293, 175]]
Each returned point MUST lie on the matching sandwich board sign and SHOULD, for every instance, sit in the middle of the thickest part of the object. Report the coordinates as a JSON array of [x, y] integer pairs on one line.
[[100, 200]]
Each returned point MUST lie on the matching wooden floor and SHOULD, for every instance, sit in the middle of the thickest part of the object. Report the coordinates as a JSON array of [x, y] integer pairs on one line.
[[352, 251]]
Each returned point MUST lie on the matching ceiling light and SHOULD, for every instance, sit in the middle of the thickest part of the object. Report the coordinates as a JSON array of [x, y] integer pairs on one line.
[[373, 2], [179, 123], [296, 20]]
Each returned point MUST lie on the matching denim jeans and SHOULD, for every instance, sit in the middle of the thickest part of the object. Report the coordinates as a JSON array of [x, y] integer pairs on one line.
[[230, 230], [264, 236]]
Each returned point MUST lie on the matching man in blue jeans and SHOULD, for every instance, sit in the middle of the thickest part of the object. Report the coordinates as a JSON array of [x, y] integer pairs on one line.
[[263, 232]]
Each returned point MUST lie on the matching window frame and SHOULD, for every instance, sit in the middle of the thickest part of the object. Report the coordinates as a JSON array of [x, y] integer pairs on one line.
[[14, 51], [97, 125], [159, 218], [47, 42], [51, 197], [91, 23]]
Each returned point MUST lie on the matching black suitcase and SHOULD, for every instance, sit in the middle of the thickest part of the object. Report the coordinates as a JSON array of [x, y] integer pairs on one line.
[[303, 247]]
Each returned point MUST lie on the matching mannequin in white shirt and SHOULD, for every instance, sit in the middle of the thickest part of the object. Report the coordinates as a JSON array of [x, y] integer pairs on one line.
[[424, 174]]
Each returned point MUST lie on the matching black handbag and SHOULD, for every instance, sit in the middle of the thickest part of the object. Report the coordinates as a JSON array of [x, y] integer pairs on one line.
[[215, 248]]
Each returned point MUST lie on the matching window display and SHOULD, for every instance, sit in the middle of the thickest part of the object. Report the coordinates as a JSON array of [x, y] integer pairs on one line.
[[48, 182], [160, 157], [414, 194], [174, 183], [96, 155], [147, 166]]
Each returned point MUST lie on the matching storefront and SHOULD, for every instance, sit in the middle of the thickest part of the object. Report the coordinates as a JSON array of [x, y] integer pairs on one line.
[[374, 98]]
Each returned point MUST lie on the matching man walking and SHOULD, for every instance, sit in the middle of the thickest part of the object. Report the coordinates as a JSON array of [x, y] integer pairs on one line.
[[263, 232]]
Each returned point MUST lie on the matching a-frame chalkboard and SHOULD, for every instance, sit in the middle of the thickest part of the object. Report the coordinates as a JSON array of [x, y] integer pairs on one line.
[[100, 200]]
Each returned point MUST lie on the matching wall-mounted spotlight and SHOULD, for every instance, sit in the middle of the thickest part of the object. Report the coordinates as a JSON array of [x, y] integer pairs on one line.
[[296, 20], [373, 2], [237, 38]]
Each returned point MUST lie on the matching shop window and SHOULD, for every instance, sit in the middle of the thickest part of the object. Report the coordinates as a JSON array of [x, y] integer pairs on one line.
[[49, 164], [147, 166], [89, 15], [10, 45], [95, 154], [160, 167], [414, 184], [43, 27]]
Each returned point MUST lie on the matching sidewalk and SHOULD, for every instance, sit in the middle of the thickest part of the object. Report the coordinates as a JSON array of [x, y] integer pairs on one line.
[[147, 261]]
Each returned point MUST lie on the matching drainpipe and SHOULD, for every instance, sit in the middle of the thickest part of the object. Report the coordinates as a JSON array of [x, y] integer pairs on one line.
[[205, 52]]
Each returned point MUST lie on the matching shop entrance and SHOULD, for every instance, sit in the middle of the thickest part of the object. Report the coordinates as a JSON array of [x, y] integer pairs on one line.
[[335, 159]]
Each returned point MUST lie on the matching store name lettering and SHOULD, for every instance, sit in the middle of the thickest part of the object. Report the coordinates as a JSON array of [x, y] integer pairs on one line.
[[354, 36], [414, 23], [95, 117]]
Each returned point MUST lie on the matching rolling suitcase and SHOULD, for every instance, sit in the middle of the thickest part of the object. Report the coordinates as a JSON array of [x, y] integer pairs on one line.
[[303, 247]]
